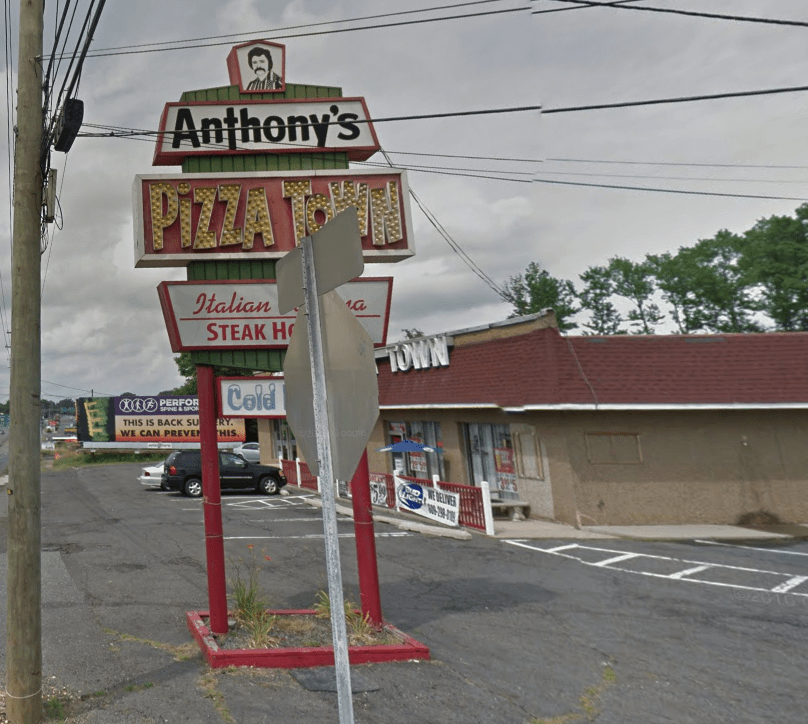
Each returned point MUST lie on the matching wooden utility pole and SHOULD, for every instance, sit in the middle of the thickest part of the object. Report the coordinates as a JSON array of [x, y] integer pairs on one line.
[[23, 612]]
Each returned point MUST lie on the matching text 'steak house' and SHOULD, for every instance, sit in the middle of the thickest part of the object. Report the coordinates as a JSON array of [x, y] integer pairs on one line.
[[622, 429]]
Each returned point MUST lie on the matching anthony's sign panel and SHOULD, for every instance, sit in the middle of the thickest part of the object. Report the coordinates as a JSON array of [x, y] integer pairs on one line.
[[301, 125], [161, 418], [227, 216]]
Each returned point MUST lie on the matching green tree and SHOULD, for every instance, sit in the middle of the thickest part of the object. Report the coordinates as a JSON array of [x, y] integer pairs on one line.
[[595, 298], [635, 282], [187, 368], [536, 289], [775, 258], [413, 333], [675, 281], [707, 287]]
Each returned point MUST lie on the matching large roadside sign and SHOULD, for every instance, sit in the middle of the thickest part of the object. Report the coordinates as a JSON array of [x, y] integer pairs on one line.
[[263, 397], [227, 216], [244, 314], [300, 125], [148, 419]]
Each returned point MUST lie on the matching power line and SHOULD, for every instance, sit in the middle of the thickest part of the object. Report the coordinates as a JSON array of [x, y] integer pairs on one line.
[[673, 178], [692, 13], [512, 159], [119, 131], [257, 33], [675, 99], [332, 31], [78, 389], [453, 245], [668, 191], [676, 163]]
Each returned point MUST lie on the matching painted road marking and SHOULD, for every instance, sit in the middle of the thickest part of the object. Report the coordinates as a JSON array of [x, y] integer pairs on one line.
[[751, 548], [788, 585], [682, 575], [313, 535], [689, 571], [616, 559]]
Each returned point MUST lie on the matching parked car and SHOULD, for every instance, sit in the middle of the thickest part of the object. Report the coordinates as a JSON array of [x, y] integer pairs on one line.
[[183, 472], [249, 451], [153, 475]]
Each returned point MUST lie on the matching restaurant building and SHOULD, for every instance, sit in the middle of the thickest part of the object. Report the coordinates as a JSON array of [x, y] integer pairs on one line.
[[610, 430]]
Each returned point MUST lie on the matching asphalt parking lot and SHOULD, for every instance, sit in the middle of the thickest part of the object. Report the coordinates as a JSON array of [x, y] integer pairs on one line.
[[520, 632]]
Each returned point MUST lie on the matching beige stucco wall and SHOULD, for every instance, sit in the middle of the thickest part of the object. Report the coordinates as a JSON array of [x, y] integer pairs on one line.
[[694, 466]]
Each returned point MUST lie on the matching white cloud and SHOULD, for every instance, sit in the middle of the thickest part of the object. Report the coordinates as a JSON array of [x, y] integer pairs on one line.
[[102, 328]]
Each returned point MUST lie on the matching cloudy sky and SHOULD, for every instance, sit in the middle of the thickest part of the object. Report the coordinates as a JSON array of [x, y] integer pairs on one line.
[[102, 328]]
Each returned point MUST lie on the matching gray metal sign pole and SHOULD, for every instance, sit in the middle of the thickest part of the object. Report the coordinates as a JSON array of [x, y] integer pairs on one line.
[[323, 427]]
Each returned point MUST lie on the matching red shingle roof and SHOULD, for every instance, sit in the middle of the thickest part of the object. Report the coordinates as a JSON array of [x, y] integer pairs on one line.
[[545, 368]]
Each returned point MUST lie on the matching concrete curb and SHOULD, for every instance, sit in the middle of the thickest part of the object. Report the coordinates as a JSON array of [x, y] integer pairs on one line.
[[402, 524]]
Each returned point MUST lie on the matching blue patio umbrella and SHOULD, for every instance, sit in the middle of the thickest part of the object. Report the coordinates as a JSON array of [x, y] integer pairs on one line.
[[407, 446]]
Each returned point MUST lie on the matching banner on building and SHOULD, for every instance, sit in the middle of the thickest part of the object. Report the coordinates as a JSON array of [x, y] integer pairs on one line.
[[429, 502]]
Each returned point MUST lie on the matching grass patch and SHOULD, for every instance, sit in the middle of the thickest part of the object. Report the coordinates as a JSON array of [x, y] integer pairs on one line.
[[80, 458], [587, 702], [182, 652], [54, 709], [209, 685]]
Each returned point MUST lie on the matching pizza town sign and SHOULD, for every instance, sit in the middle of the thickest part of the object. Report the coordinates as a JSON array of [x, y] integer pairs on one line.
[[217, 216]]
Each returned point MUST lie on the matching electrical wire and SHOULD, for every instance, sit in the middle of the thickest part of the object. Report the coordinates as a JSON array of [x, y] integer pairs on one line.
[[78, 389], [333, 31], [453, 245], [669, 191], [676, 163], [260, 33], [691, 13], [511, 159]]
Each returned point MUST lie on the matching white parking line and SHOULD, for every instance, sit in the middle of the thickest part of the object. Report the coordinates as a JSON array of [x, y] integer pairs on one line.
[[788, 585], [696, 566], [689, 571], [616, 559], [313, 536], [751, 548]]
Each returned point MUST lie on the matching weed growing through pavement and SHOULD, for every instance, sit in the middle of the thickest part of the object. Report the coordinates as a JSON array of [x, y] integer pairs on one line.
[[54, 708], [360, 629], [249, 603], [587, 703]]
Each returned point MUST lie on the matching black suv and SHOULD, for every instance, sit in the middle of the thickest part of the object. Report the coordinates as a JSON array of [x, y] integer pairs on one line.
[[183, 471]]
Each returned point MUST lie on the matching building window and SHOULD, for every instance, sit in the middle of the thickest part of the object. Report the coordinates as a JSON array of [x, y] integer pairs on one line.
[[528, 455], [613, 448], [489, 450], [417, 464]]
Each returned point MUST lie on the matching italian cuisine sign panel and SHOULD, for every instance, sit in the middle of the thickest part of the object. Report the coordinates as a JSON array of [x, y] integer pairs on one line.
[[225, 216], [244, 314]]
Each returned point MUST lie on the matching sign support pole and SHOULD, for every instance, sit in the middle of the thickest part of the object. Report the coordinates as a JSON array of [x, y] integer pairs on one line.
[[212, 500], [366, 543], [326, 468]]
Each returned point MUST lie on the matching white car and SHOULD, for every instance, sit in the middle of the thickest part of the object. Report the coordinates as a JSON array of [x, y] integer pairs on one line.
[[152, 475], [250, 451]]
